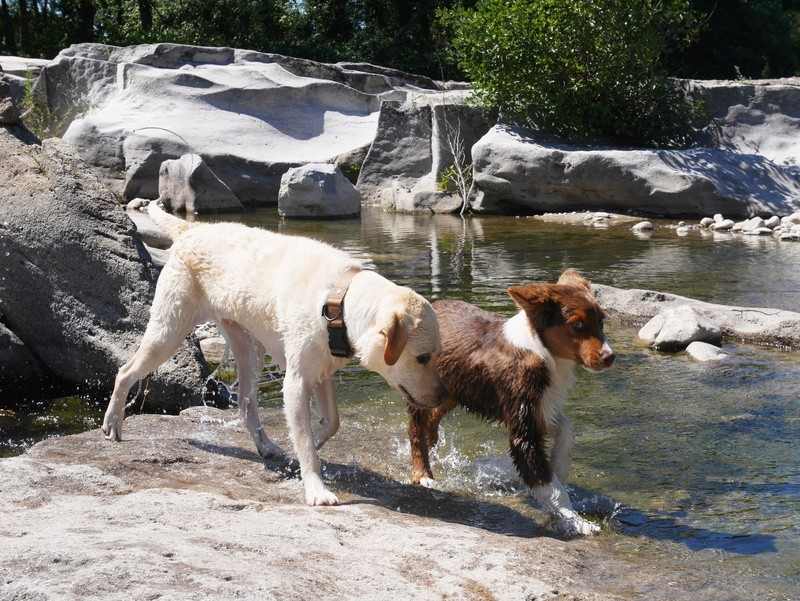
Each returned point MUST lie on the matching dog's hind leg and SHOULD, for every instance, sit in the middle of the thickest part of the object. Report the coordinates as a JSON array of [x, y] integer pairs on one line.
[[326, 399], [249, 356], [423, 434], [171, 320], [297, 405]]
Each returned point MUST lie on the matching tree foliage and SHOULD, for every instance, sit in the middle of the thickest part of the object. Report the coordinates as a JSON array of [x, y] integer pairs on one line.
[[577, 68]]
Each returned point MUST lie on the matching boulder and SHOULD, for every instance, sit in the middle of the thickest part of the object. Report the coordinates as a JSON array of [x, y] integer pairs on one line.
[[317, 190], [517, 170], [674, 329], [753, 324], [417, 141], [20, 370], [9, 113], [76, 281], [188, 185], [250, 115]]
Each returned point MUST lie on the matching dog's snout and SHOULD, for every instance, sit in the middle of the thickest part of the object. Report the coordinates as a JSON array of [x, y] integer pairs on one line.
[[607, 356]]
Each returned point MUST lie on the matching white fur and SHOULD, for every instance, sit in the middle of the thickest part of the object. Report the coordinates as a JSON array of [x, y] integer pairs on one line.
[[266, 291], [553, 497]]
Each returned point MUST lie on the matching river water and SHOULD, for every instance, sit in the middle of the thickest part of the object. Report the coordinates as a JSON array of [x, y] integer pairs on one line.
[[693, 469]]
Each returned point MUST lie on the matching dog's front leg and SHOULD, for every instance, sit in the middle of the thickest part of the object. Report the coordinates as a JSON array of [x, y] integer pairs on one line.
[[326, 399], [563, 441], [553, 498], [296, 400]]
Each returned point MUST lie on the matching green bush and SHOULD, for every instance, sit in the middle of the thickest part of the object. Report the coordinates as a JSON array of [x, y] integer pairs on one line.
[[581, 69]]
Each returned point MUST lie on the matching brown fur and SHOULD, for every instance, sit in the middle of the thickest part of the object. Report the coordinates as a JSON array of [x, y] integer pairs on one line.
[[487, 374]]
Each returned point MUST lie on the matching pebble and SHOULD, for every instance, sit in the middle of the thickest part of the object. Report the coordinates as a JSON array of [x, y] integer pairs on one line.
[[725, 224], [706, 222], [642, 226]]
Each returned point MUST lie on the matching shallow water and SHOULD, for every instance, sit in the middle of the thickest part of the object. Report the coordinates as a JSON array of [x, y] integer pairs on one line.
[[693, 469]]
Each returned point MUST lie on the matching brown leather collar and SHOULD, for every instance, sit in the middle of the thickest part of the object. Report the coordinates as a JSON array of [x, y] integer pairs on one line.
[[333, 312]]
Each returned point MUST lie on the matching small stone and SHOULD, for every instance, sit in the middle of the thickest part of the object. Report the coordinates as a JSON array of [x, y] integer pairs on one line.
[[702, 351], [706, 222], [642, 226], [718, 218], [752, 224], [725, 224], [682, 231], [773, 222]]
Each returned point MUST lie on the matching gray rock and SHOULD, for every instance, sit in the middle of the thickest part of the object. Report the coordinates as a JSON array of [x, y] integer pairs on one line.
[[317, 190], [184, 509], [9, 113], [703, 351], [416, 142], [188, 185], [250, 115], [20, 370], [517, 170], [148, 232], [752, 324], [75, 280], [724, 225], [707, 221], [676, 328], [773, 222]]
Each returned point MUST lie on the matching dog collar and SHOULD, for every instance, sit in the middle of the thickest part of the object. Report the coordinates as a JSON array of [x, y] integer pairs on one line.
[[333, 312]]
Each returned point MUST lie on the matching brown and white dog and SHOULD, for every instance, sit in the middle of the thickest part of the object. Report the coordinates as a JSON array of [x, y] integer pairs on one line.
[[266, 292], [519, 372]]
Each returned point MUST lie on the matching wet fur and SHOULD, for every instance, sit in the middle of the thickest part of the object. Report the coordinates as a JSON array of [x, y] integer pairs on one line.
[[265, 291], [518, 372]]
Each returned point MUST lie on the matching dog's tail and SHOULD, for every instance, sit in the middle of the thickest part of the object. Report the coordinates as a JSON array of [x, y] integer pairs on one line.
[[171, 225]]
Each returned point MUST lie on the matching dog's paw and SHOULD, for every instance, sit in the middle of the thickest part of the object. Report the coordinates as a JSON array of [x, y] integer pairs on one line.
[[577, 526], [268, 449], [428, 483], [112, 429], [317, 494]]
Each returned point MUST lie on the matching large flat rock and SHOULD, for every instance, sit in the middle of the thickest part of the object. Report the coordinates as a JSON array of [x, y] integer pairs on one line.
[[250, 115], [185, 509]]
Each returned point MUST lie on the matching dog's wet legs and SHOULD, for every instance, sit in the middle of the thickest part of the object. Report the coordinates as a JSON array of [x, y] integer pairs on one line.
[[563, 441], [423, 433], [249, 356], [171, 321], [554, 499], [297, 405], [326, 399]]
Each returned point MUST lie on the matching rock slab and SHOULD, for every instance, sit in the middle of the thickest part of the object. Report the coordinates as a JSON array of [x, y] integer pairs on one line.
[[184, 509], [188, 185]]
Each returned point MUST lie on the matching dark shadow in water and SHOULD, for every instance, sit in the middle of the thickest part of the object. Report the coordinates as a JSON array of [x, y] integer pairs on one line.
[[634, 523]]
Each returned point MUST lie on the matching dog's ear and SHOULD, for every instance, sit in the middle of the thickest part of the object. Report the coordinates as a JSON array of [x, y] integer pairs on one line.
[[397, 332], [536, 300], [571, 277]]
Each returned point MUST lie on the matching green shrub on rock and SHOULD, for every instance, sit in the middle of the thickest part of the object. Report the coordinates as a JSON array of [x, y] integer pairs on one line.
[[580, 69]]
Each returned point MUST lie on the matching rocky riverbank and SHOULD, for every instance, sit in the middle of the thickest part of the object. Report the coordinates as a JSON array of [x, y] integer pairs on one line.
[[185, 509]]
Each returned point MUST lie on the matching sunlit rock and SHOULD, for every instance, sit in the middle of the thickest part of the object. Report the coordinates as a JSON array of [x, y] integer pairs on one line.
[[703, 351], [75, 280], [188, 185], [250, 115], [317, 190]]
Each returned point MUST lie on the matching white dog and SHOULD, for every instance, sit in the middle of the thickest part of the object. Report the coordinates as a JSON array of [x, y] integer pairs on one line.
[[266, 292]]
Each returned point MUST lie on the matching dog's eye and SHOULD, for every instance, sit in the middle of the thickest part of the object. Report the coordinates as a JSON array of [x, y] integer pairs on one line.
[[424, 359], [579, 326]]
